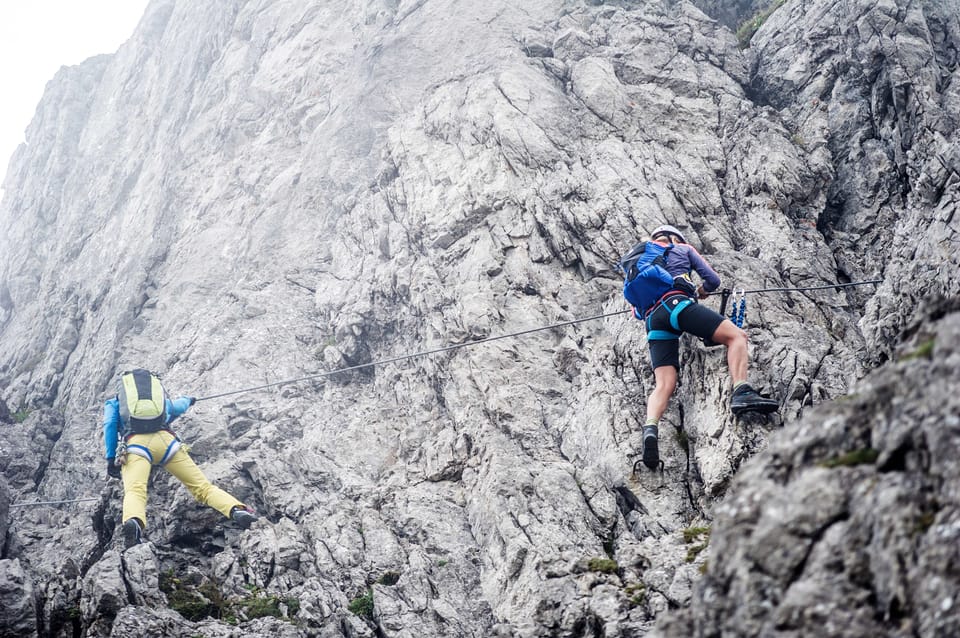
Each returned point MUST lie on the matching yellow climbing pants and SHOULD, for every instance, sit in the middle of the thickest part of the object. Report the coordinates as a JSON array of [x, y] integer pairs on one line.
[[163, 448]]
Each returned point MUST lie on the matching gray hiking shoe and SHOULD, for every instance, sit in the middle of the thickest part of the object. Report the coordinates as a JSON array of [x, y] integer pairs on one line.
[[131, 533], [746, 399], [651, 450], [243, 516]]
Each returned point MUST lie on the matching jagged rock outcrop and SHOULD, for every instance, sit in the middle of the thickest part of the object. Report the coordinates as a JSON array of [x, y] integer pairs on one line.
[[18, 613], [874, 86], [250, 192], [847, 524]]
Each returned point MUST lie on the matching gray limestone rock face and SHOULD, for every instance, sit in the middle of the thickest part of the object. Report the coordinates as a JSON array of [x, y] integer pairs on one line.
[[847, 524], [365, 198], [18, 612], [104, 592], [872, 84], [4, 513]]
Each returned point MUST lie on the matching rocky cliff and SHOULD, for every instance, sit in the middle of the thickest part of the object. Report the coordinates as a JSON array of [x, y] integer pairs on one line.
[[249, 192]]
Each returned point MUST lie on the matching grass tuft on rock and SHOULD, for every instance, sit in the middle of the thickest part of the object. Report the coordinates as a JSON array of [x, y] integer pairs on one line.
[[864, 456], [636, 594], [362, 605], [603, 565], [694, 533], [923, 351], [197, 602], [747, 30], [694, 550]]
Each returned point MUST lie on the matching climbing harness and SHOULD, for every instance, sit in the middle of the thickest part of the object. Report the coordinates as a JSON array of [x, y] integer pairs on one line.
[[121, 457], [678, 303], [144, 451]]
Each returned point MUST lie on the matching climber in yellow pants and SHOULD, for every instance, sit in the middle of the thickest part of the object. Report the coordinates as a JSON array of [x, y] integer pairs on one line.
[[164, 445], [137, 436]]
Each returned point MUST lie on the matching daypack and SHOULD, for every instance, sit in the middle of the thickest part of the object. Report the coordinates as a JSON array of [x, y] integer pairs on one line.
[[646, 277], [142, 402]]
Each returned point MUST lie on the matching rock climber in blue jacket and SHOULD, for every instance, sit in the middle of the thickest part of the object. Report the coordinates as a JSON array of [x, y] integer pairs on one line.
[[137, 436]]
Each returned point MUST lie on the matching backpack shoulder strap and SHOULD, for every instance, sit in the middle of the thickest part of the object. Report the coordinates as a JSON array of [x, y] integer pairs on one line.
[[661, 259]]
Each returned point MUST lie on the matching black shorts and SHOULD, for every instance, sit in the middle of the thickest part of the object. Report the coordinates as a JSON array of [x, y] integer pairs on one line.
[[664, 338]]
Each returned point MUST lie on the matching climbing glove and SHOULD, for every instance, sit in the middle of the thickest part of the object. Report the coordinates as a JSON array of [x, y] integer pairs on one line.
[[192, 400], [113, 470]]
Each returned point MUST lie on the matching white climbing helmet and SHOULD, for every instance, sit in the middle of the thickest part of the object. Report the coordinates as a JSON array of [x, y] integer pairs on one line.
[[667, 229]]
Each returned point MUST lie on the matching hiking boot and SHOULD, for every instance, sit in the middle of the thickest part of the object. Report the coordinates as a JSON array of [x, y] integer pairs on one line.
[[651, 451], [243, 516], [746, 399], [131, 533]]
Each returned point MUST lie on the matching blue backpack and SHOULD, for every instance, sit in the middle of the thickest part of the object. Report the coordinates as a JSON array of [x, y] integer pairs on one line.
[[646, 276]]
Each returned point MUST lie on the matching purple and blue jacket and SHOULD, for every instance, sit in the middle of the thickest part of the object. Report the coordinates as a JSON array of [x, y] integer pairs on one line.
[[684, 259]]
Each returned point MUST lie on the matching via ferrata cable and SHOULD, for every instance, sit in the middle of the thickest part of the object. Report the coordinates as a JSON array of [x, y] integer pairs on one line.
[[457, 346], [414, 355]]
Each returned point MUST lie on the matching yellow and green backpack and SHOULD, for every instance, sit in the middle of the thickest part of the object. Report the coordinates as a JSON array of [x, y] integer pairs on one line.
[[142, 402]]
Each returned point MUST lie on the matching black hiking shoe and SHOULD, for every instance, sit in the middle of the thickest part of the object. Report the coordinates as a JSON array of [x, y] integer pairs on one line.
[[651, 451], [746, 399], [243, 516], [131, 533]]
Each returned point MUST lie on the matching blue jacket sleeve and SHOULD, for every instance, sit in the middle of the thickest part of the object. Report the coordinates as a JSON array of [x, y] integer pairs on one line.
[[111, 426], [177, 407], [711, 280]]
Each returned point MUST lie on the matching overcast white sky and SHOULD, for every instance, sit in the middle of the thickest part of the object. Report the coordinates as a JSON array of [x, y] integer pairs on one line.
[[37, 37]]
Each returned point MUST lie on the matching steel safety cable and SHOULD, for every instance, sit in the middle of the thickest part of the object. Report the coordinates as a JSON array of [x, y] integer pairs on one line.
[[32, 503], [450, 348], [804, 288], [457, 346], [414, 355]]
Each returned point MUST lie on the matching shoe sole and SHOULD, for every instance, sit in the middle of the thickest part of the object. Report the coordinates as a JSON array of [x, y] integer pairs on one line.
[[131, 535], [651, 453], [762, 408]]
